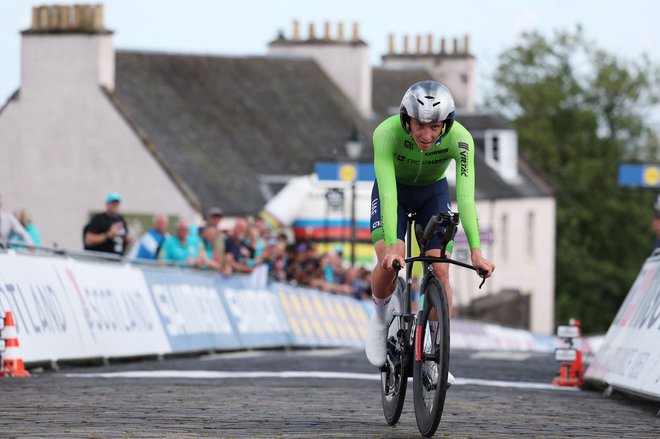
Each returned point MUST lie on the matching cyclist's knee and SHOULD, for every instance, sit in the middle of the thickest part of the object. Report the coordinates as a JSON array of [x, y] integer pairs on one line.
[[442, 272]]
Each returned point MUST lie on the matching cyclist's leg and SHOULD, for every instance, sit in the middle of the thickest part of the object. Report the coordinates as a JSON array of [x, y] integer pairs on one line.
[[382, 281], [442, 273], [382, 285]]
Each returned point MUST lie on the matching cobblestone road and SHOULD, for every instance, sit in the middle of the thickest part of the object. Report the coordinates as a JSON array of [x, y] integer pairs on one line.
[[66, 404]]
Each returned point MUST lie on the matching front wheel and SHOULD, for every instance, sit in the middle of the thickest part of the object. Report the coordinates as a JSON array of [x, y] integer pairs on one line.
[[431, 350], [394, 378]]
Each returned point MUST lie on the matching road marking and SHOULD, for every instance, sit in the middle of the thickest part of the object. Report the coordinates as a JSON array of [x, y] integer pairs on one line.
[[211, 374], [504, 355]]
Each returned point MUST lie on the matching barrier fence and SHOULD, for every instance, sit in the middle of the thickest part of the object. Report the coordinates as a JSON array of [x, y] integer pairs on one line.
[[77, 309], [67, 309], [629, 357]]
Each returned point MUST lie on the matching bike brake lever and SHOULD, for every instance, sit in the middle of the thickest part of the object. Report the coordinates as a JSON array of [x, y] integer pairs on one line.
[[397, 267], [481, 272]]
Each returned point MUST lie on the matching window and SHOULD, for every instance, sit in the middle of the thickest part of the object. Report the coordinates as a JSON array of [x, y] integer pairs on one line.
[[495, 148]]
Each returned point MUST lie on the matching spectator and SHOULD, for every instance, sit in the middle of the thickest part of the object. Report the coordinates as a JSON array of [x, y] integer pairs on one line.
[[10, 225], [107, 231], [26, 221], [213, 217], [148, 246], [207, 256], [238, 254], [177, 249]]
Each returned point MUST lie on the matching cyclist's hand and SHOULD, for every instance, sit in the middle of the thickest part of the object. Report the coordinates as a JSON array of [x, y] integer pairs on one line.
[[388, 261], [484, 267]]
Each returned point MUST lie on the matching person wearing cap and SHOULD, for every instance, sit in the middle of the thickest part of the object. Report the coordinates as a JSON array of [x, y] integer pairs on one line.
[[107, 231]]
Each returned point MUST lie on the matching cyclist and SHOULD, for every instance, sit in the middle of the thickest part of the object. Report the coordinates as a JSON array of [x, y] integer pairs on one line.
[[412, 151]]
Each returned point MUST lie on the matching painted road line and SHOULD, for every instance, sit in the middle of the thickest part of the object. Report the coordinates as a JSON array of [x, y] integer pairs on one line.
[[210, 374], [501, 355]]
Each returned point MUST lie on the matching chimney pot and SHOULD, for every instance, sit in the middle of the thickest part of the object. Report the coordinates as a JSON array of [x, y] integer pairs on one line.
[[64, 17], [312, 33], [356, 31], [466, 45], [340, 31], [442, 46], [418, 44], [326, 31], [78, 17], [429, 43], [43, 18], [97, 17], [296, 31], [405, 44], [391, 38], [455, 45]]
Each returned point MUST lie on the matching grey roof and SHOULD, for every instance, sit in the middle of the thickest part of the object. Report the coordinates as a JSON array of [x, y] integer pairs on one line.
[[220, 121], [215, 123]]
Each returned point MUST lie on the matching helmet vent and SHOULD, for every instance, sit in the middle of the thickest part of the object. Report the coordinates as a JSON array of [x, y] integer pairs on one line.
[[437, 103], [420, 102]]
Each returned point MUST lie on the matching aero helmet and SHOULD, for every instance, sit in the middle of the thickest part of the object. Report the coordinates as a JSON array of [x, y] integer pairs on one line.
[[428, 102]]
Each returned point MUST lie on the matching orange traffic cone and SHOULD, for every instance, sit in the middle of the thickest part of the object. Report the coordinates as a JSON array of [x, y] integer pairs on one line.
[[572, 368], [12, 363]]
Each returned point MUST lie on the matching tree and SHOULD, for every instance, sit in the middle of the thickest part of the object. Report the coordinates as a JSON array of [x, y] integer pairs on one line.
[[579, 111]]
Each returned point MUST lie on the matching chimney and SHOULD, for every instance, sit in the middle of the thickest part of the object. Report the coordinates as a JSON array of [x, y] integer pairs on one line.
[[453, 66], [66, 49], [345, 62]]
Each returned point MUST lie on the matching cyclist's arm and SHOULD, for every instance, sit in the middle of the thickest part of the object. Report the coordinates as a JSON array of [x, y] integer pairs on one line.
[[384, 141], [464, 157]]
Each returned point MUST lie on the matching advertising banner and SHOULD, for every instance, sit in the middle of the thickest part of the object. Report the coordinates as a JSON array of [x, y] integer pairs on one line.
[[629, 358], [47, 320], [258, 315], [118, 314], [322, 319], [191, 310]]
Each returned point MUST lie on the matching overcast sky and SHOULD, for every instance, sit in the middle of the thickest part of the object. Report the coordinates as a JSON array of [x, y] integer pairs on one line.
[[245, 27]]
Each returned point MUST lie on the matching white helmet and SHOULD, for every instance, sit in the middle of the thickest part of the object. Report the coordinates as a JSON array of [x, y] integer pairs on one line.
[[428, 102]]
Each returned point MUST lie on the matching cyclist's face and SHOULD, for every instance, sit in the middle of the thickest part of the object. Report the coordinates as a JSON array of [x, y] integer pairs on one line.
[[425, 134]]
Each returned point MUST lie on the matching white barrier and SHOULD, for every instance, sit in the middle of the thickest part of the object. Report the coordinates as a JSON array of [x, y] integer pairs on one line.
[[629, 358], [66, 309]]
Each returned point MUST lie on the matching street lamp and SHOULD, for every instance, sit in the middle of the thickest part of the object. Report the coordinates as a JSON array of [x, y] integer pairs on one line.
[[353, 150]]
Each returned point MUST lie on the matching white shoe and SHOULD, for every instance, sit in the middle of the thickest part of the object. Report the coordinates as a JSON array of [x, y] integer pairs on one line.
[[376, 347], [450, 379], [432, 375]]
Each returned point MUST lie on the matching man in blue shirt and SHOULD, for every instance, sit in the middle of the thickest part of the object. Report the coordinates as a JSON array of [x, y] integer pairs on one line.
[[150, 243]]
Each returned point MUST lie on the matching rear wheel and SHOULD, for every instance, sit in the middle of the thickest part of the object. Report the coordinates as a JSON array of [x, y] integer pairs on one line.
[[394, 376], [431, 357]]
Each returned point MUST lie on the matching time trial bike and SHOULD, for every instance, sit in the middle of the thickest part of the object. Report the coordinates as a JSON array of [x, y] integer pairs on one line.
[[418, 343]]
